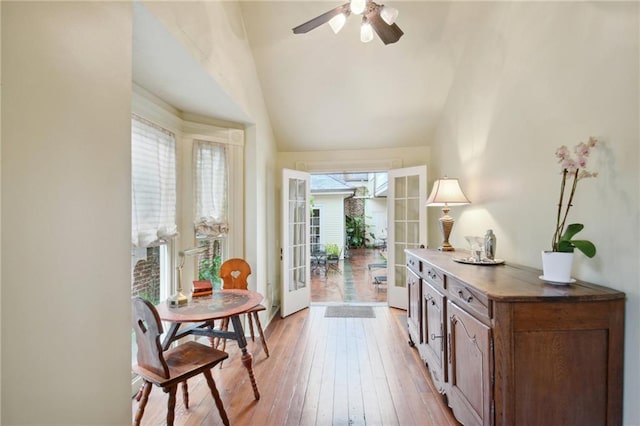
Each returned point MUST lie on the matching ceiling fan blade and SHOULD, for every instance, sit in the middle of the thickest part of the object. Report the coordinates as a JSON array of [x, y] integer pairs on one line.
[[387, 33], [319, 20]]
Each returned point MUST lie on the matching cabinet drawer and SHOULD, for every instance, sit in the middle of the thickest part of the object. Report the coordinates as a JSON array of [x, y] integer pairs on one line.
[[468, 297], [414, 264], [433, 276]]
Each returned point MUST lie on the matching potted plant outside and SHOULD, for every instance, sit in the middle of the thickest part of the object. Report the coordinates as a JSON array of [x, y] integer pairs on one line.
[[332, 250]]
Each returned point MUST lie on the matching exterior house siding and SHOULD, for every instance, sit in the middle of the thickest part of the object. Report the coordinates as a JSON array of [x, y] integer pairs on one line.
[[331, 218]]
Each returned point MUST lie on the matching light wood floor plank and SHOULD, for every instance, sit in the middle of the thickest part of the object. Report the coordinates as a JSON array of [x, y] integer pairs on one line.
[[316, 371], [322, 371], [302, 380], [371, 411], [356, 413], [326, 395]]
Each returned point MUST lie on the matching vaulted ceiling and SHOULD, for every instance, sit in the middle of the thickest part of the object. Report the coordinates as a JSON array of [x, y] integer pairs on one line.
[[325, 91], [328, 91]]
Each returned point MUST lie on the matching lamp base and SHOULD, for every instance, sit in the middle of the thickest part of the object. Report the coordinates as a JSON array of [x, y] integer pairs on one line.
[[446, 225], [178, 299]]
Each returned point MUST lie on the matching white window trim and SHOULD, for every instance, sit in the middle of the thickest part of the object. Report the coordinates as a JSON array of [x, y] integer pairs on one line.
[[151, 108], [234, 139]]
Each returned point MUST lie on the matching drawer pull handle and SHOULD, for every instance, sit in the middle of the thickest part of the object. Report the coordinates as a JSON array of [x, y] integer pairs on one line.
[[430, 298], [434, 337], [432, 275], [466, 299]]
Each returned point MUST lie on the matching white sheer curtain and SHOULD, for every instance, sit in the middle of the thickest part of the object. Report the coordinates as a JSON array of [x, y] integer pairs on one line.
[[211, 182], [153, 192]]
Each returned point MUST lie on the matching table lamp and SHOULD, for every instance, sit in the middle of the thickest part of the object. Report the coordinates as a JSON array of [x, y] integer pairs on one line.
[[446, 192], [179, 299]]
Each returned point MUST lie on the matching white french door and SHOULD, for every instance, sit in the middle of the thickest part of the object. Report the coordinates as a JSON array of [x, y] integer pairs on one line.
[[296, 276], [407, 223]]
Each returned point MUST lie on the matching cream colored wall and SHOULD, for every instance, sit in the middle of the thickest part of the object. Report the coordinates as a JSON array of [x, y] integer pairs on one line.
[[0, 212], [535, 76], [66, 213]]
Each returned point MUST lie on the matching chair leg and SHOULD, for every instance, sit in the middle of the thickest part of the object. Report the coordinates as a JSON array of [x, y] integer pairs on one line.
[[185, 394], [225, 327], [139, 394], [216, 396], [213, 341], [253, 337], [264, 341], [143, 398], [171, 404]]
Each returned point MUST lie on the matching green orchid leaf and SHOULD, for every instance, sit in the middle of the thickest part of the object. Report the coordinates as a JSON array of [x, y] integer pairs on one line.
[[586, 247], [565, 246], [571, 230]]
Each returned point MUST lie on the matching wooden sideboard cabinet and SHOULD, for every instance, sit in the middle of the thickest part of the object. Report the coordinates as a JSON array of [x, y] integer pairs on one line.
[[508, 349]]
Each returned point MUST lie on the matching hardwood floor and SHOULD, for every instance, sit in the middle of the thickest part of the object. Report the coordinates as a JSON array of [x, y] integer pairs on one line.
[[322, 371]]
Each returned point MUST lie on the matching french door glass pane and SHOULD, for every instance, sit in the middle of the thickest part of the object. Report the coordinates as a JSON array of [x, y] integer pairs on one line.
[[297, 233]]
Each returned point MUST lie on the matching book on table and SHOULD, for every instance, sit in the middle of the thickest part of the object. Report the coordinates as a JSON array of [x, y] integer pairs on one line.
[[202, 288]]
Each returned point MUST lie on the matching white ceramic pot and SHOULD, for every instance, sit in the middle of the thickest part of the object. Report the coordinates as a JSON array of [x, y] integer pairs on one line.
[[556, 267]]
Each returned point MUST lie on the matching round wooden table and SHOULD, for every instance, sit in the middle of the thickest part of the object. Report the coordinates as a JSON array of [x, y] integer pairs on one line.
[[203, 311]]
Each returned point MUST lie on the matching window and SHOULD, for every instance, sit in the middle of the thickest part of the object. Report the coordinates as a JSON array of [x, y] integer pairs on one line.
[[211, 206], [153, 207], [211, 189], [314, 234]]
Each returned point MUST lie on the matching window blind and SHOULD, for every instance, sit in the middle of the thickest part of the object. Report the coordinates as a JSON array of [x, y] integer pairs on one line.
[[211, 186], [153, 169]]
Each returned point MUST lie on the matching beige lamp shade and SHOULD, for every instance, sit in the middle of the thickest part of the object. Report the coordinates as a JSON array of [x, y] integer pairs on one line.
[[446, 192]]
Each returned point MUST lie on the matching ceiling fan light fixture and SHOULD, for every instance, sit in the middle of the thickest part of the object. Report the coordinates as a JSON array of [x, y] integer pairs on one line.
[[337, 22], [366, 32], [375, 18], [389, 14], [358, 6]]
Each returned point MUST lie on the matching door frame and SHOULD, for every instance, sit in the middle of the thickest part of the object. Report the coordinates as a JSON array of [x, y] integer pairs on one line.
[[366, 166]]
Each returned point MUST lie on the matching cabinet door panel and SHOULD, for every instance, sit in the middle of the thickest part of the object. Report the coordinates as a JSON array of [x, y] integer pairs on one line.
[[470, 367], [434, 332]]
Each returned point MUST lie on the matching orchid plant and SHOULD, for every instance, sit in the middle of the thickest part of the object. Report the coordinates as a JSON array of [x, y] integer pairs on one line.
[[573, 170]]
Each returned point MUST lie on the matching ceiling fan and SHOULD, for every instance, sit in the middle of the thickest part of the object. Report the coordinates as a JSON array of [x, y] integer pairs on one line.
[[375, 17]]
